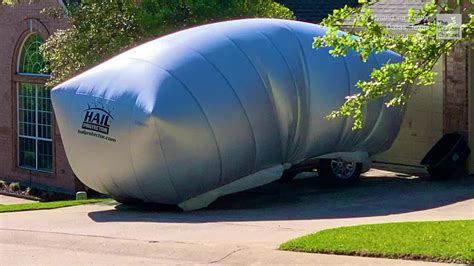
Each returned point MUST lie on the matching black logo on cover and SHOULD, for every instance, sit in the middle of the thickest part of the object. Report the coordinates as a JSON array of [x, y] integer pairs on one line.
[[97, 119]]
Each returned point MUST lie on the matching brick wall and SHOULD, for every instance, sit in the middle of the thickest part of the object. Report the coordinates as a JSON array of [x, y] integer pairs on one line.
[[15, 23], [456, 85], [455, 109]]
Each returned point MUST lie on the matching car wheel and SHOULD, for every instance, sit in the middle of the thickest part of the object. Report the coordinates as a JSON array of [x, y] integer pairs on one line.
[[339, 172]]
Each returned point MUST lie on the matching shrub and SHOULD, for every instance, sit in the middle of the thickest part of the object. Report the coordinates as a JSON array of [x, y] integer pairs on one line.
[[15, 186], [29, 191], [3, 184]]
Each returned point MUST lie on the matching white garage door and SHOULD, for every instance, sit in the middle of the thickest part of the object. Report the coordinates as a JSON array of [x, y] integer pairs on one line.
[[422, 125]]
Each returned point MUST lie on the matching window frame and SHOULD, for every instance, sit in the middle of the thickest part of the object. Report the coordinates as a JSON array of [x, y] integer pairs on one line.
[[36, 138], [19, 57], [36, 80]]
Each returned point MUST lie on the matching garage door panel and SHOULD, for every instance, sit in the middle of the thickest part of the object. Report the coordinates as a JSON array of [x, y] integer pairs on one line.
[[422, 125], [437, 123], [422, 99]]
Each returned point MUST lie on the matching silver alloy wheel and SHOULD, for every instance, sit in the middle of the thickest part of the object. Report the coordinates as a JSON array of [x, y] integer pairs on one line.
[[342, 169]]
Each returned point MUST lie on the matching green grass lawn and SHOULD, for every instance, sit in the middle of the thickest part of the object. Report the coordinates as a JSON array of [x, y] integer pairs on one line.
[[447, 241], [47, 205]]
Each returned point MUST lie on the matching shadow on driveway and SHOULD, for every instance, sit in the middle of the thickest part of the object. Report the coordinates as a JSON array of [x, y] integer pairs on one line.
[[309, 199]]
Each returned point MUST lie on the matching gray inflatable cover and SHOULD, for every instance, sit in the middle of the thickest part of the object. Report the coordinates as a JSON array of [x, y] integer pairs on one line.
[[215, 109]]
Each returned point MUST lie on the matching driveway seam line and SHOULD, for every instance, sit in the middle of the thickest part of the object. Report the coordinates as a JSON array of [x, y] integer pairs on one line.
[[96, 236], [228, 255]]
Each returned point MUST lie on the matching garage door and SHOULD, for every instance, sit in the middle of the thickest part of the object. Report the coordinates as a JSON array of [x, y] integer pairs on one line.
[[422, 125]]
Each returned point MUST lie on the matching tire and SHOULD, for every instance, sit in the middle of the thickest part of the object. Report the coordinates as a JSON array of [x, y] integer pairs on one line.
[[339, 172]]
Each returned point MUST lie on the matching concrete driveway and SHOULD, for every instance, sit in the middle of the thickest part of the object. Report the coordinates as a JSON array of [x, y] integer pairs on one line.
[[244, 228]]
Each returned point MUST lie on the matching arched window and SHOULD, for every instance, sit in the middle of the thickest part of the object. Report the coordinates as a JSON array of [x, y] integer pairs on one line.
[[31, 61], [34, 110]]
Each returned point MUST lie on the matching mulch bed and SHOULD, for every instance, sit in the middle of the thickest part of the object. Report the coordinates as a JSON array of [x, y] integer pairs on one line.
[[36, 195], [19, 194]]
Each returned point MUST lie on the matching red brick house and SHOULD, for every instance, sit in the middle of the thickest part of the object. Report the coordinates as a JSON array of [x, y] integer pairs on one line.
[[31, 150]]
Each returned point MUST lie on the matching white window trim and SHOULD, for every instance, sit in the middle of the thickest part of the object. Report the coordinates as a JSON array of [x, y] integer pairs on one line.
[[18, 60], [36, 138]]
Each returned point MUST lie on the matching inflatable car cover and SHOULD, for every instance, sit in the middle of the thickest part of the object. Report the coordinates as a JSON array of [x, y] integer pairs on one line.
[[215, 109]]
